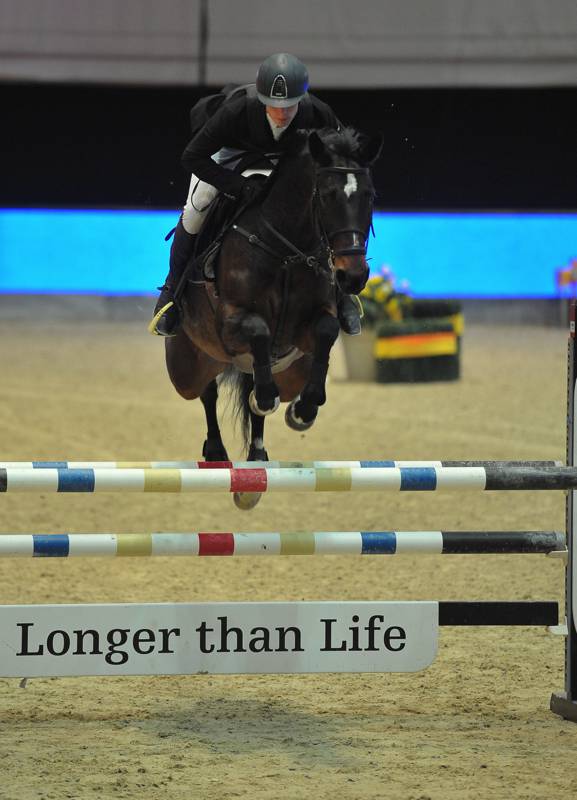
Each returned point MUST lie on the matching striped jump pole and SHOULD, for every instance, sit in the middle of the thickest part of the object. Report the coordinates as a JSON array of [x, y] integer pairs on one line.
[[306, 479], [67, 545], [264, 464]]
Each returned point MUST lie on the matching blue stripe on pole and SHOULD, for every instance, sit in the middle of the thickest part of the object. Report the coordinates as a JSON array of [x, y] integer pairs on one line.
[[384, 542], [418, 479], [375, 464], [49, 464], [75, 480], [53, 546]]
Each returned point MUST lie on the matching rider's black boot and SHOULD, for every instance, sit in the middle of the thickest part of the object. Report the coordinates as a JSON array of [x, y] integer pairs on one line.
[[349, 312], [166, 318]]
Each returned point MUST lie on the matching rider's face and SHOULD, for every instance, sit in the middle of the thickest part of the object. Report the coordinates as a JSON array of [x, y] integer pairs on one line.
[[281, 117]]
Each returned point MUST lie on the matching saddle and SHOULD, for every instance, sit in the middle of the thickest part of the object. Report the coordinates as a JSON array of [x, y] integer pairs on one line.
[[218, 220], [209, 240]]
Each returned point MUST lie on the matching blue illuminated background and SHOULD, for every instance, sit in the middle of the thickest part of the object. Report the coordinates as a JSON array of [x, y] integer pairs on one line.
[[473, 255]]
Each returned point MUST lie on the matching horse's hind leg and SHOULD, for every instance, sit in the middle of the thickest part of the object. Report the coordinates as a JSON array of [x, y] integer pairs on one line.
[[213, 448], [257, 450], [193, 374]]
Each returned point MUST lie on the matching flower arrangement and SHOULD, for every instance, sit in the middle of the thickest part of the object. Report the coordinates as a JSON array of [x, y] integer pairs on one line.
[[385, 307], [382, 301]]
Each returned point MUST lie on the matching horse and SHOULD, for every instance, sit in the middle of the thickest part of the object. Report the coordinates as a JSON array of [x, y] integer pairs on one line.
[[270, 318]]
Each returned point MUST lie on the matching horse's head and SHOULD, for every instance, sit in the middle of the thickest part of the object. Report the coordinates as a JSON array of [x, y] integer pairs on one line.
[[345, 196]]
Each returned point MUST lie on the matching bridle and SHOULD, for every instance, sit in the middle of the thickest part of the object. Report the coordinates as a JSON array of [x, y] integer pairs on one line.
[[359, 237], [322, 259]]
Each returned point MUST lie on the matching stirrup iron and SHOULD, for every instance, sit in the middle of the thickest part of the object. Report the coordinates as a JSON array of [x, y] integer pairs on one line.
[[156, 319]]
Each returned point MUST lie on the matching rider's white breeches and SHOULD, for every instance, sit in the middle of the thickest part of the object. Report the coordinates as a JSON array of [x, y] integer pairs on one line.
[[200, 194], [198, 201]]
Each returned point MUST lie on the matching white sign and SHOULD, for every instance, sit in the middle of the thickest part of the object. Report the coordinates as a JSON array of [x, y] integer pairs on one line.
[[189, 638]]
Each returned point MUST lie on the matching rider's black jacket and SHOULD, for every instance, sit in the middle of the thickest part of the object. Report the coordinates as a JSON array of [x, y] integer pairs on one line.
[[241, 124]]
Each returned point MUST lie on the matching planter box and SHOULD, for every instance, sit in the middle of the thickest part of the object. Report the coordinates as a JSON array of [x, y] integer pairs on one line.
[[352, 358], [426, 347], [417, 351]]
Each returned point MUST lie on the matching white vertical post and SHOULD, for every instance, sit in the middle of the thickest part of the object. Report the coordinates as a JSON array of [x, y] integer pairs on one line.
[[565, 703]]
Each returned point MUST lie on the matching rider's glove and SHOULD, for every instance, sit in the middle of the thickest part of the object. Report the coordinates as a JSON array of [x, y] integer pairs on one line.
[[249, 189], [245, 190]]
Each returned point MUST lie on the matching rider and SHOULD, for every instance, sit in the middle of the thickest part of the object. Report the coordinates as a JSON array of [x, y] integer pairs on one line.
[[255, 119]]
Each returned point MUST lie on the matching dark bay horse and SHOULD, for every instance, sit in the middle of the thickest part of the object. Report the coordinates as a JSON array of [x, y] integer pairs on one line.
[[272, 312]]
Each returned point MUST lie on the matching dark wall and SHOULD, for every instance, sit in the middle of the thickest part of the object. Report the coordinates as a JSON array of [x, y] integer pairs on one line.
[[444, 149]]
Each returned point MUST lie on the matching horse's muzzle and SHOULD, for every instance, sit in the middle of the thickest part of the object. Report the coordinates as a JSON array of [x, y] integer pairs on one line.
[[352, 281]]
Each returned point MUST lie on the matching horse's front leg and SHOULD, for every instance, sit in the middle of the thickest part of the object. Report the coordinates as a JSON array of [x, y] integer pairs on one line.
[[302, 412], [241, 329], [264, 399]]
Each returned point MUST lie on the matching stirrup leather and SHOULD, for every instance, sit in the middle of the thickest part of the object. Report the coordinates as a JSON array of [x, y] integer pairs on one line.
[[156, 319]]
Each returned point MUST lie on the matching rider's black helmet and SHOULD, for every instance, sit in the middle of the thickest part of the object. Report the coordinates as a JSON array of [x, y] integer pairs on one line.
[[281, 81]]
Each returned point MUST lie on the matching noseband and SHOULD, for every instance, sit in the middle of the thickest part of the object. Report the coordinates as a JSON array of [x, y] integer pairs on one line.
[[357, 245]]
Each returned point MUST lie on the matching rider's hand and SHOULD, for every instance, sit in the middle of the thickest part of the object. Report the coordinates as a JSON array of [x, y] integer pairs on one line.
[[249, 189], [246, 188]]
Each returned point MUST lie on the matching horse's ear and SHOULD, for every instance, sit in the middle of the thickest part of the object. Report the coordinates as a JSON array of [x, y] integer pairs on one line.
[[318, 150], [371, 149]]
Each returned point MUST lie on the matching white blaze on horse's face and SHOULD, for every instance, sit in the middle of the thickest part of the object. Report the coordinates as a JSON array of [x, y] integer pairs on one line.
[[351, 185]]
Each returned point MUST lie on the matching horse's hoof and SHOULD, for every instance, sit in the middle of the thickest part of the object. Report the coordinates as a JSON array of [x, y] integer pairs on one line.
[[257, 454], [214, 450], [246, 501], [295, 422], [254, 407]]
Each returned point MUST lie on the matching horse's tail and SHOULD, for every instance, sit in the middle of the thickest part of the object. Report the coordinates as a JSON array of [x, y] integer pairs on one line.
[[241, 385]]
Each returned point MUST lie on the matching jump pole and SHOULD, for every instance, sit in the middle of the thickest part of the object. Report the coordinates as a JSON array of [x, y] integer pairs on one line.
[[565, 703], [371, 543], [300, 479], [264, 464]]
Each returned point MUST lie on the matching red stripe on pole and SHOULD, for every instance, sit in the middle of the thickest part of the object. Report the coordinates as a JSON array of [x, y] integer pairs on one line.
[[215, 464], [248, 480], [215, 544]]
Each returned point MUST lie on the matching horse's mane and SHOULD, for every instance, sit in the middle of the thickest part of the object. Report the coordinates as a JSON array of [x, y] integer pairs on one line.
[[345, 143]]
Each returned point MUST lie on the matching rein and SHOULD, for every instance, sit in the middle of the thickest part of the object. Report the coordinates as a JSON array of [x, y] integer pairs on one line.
[[315, 261], [297, 257], [321, 260]]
